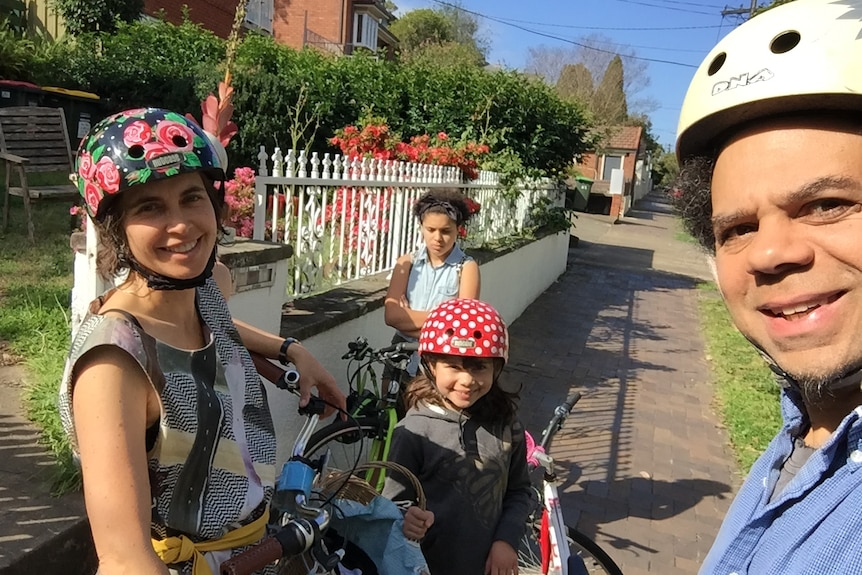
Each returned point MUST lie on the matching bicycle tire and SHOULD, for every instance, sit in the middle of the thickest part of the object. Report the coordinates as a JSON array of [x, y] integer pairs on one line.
[[348, 441], [596, 560]]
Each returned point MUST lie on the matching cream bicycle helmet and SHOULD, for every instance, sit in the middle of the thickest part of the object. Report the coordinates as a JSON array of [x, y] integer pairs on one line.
[[804, 55]]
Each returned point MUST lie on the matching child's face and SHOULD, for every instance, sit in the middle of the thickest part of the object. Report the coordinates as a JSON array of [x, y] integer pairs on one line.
[[439, 232], [463, 383]]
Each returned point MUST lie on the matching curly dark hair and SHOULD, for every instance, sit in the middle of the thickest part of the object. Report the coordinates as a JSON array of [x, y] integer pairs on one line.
[[692, 200], [436, 201], [496, 405], [113, 255]]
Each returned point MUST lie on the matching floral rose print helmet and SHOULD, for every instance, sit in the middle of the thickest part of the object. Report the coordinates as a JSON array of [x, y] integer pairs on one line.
[[139, 146], [465, 327]]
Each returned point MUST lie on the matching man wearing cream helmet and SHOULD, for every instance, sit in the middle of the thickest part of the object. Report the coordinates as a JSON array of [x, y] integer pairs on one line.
[[770, 148]]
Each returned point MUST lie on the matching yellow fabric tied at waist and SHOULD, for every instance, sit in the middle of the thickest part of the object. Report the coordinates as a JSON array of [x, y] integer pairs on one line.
[[179, 549]]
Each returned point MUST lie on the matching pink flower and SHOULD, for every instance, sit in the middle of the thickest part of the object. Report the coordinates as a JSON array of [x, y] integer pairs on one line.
[[86, 169], [92, 196], [154, 150], [137, 133], [176, 136], [108, 176], [442, 136]]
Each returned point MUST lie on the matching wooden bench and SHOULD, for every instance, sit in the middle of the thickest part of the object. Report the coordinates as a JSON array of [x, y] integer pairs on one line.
[[34, 139]]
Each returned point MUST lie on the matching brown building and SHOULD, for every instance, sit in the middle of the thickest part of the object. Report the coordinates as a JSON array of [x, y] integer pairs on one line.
[[624, 147], [214, 15], [337, 26]]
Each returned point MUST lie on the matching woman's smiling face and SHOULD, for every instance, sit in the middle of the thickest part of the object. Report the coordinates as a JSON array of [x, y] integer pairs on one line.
[[170, 225]]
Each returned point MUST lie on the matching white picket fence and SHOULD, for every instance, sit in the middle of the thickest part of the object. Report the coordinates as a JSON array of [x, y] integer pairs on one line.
[[350, 218], [346, 219]]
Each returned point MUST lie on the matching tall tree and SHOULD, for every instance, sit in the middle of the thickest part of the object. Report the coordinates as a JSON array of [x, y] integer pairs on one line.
[[422, 27], [609, 101], [81, 16], [466, 27], [576, 84], [596, 52], [448, 32]]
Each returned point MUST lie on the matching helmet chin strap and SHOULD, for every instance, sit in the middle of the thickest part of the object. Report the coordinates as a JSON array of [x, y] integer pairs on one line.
[[851, 377], [159, 282]]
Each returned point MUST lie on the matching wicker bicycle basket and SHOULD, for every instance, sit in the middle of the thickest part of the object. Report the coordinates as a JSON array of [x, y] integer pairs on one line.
[[339, 484]]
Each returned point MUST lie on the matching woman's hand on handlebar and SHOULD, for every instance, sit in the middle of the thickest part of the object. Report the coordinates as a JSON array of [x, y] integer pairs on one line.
[[314, 375]]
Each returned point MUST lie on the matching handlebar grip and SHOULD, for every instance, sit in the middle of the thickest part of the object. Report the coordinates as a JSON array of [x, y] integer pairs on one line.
[[289, 541], [284, 378], [405, 346], [254, 558], [572, 400]]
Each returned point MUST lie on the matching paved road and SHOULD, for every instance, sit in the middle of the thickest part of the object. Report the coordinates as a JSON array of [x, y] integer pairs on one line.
[[647, 470], [645, 463]]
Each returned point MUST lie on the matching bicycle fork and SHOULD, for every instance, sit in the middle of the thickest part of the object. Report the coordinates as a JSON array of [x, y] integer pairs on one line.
[[555, 555]]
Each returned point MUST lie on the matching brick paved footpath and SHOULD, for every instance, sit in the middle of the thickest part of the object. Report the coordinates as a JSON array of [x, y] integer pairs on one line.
[[645, 464]]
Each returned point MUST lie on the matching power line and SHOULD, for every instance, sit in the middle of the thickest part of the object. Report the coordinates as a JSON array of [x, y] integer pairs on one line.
[[698, 4], [635, 29], [665, 7], [558, 38]]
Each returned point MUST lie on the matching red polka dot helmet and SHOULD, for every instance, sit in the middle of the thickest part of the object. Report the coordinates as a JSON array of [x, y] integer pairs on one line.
[[465, 327], [139, 146]]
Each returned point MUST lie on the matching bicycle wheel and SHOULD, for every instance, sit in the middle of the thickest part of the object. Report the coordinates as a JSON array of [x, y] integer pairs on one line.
[[349, 441], [594, 558]]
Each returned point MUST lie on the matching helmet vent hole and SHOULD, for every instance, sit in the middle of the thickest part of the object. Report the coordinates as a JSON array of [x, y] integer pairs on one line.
[[785, 42], [716, 64], [477, 334], [179, 141], [136, 152], [449, 332]]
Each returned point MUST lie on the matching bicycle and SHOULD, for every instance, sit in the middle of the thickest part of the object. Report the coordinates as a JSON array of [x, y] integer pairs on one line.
[[299, 513], [367, 434], [540, 551]]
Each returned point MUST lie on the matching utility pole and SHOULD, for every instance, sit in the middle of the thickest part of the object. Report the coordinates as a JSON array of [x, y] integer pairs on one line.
[[740, 11]]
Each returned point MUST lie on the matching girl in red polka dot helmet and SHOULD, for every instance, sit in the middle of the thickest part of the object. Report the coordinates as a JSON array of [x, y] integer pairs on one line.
[[463, 346], [462, 439]]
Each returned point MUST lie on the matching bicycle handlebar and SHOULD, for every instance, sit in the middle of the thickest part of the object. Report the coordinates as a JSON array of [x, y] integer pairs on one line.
[[561, 412], [282, 377], [294, 538], [359, 349]]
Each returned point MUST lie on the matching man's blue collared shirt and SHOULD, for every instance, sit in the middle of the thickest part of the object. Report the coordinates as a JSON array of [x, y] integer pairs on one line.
[[815, 525]]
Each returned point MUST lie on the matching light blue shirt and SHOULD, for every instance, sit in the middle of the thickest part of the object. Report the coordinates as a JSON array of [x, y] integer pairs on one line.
[[815, 525], [428, 286]]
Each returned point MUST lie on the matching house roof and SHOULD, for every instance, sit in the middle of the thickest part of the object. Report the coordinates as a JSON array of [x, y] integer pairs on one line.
[[624, 137]]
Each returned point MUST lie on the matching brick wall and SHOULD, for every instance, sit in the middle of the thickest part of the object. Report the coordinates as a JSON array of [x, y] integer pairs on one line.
[[214, 15], [327, 18]]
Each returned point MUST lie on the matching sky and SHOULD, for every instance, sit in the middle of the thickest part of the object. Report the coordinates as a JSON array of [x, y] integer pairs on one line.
[[678, 32]]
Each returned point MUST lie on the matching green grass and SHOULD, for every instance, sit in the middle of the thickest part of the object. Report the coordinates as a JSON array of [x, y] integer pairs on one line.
[[746, 391], [35, 283]]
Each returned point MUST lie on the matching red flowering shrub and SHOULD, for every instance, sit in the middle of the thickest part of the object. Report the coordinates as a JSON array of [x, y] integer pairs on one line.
[[373, 139]]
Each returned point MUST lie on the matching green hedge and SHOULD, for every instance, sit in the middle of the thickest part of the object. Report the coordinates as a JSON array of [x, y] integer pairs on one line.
[[159, 64]]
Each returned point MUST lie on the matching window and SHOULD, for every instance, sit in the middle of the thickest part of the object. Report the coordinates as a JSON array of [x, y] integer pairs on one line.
[[365, 31], [611, 163], [259, 14]]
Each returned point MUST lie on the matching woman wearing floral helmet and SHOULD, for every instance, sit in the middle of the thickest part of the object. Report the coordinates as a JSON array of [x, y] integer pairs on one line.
[[160, 398]]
